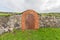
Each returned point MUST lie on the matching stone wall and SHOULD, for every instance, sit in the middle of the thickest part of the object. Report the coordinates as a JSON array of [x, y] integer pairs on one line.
[[49, 21], [8, 23]]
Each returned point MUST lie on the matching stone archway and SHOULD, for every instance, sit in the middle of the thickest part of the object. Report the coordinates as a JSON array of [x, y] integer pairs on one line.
[[30, 20]]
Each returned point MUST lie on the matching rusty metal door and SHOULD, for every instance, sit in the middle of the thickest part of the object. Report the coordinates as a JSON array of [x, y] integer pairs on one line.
[[30, 21]]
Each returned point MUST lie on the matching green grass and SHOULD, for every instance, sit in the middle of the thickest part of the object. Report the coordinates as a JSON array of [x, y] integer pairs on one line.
[[41, 34], [42, 14], [4, 14], [51, 14], [8, 13]]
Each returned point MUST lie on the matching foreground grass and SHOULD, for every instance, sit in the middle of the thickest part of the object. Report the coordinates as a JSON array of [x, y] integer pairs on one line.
[[41, 34]]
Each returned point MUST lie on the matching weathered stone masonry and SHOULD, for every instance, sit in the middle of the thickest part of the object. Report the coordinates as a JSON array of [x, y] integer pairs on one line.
[[14, 22]]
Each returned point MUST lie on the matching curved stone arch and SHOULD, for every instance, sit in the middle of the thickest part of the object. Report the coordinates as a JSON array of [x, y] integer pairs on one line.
[[36, 17]]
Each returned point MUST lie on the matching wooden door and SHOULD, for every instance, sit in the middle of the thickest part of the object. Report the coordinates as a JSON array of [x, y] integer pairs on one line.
[[30, 21]]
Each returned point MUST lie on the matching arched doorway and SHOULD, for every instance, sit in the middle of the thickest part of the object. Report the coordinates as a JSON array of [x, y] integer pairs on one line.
[[30, 20]]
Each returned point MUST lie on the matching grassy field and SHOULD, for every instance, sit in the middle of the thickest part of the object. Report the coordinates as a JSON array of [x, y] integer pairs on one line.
[[8, 13], [41, 34], [42, 14], [51, 14], [3, 14]]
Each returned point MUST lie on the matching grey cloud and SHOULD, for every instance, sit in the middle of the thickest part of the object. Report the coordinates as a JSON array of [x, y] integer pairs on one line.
[[37, 5]]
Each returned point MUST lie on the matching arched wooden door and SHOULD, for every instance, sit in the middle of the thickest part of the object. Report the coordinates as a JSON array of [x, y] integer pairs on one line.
[[30, 20]]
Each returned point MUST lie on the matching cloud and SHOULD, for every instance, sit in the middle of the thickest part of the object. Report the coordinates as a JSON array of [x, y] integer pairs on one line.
[[37, 5]]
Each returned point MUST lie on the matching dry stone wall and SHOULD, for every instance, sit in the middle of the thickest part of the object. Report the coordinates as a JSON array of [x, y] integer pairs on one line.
[[8, 23], [49, 21]]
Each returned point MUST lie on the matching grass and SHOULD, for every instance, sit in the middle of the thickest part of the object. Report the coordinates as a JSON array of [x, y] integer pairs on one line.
[[42, 14], [41, 34], [4, 14], [8, 14], [51, 14]]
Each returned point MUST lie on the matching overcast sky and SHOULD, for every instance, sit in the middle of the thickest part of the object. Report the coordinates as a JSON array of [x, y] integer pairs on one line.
[[37, 5]]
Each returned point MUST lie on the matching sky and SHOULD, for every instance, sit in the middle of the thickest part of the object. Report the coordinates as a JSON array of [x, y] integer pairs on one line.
[[37, 5]]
